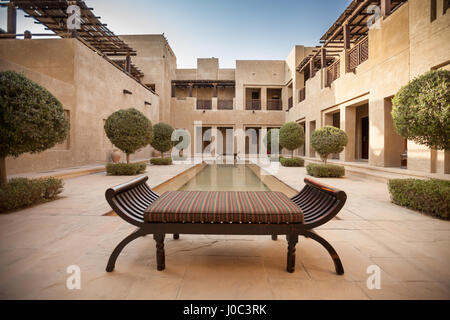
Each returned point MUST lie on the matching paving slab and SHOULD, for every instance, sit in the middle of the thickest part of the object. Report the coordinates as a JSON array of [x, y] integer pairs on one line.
[[38, 244]]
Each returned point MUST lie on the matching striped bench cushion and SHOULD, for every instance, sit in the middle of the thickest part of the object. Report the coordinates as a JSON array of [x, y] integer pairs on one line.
[[224, 207]]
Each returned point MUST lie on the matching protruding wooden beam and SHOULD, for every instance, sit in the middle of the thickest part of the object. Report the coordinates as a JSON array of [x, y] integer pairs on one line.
[[27, 35], [128, 63], [346, 30], [386, 8], [12, 19], [311, 68], [323, 58]]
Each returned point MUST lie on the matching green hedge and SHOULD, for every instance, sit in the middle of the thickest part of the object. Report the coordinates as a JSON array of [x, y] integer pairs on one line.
[[431, 197], [22, 192], [325, 170], [125, 169], [161, 161], [292, 162]]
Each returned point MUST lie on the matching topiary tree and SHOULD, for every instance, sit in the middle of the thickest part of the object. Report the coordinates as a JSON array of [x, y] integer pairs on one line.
[[328, 140], [129, 130], [162, 137], [292, 136], [31, 118], [272, 134], [421, 110]]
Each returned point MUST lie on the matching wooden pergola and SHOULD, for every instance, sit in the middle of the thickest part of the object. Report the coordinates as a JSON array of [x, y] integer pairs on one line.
[[351, 27], [52, 14], [202, 84]]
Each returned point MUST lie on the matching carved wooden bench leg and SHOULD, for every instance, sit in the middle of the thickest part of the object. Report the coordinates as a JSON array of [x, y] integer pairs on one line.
[[337, 261], [292, 240], [160, 255], [115, 254], [274, 237], [176, 236]]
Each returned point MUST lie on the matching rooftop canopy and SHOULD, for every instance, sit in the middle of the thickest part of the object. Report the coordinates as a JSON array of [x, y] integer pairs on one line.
[[53, 15]]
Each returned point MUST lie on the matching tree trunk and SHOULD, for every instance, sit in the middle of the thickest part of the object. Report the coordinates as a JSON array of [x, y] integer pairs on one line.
[[162, 155], [3, 177], [128, 158], [292, 154]]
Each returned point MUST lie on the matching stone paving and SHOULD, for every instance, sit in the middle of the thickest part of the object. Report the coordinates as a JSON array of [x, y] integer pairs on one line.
[[38, 244]]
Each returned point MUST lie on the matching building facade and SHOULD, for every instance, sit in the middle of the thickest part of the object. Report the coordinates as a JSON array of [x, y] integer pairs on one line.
[[348, 81]]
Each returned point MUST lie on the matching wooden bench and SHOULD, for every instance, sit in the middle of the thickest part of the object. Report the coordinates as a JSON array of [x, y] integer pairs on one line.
[[139, 205]]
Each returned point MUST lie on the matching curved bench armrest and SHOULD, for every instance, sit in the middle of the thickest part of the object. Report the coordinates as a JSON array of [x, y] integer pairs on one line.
[[113, 191], [130, 199], [319, 202], [326, 188]]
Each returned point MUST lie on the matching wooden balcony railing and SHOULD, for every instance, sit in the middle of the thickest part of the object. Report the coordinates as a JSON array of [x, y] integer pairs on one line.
[[333, 72], [358, 54], [253, 104], [225, 104], [301, 95], [204, 104], [274, 104]]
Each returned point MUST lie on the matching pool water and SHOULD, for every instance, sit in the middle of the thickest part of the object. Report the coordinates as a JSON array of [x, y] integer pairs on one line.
[[225, 178]]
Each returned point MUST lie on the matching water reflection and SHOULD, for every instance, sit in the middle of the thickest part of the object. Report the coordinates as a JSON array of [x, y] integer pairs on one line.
[[225, 178]]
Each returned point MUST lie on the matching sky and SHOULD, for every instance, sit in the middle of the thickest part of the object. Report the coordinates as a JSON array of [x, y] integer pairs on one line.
[[226, 29]]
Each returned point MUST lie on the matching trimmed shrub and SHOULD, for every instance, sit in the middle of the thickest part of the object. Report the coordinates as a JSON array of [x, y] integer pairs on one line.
[[292, 136], [421, 110], [431, 197], [328, 140], [22, 192], [325, 170], [129, 130], [162, 137], [161, 161], [125, 169], [31, 118], [292, 162]]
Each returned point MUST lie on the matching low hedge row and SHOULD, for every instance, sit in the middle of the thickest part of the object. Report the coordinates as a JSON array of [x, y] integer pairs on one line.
[[292, 162], [161, 161], [22, 192], [325, 170], [431, 197], [125, 169]]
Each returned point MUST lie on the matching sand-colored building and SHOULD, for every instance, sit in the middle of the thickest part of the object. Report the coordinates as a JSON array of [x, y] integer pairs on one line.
[[348, 81]]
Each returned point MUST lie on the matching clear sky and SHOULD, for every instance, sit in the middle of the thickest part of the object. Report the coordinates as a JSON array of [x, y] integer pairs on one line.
[[226, 29]]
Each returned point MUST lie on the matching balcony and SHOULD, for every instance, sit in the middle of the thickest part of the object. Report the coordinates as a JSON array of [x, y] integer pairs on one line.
[[204, 104], [301, 95], [274, 104], [253, 104], [358, 54], [333, 72], [225, 104]]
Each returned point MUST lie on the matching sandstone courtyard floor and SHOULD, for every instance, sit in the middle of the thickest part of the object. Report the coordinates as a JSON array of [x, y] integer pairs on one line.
[[38, 244]]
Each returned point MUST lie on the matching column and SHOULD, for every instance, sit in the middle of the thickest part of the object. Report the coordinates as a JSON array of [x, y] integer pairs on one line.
[[263, 98], [348, 124], [12, 20], [386, 8]]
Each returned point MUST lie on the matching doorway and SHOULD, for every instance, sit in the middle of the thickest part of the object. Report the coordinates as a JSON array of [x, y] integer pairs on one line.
[[365, 138], [252, 140]]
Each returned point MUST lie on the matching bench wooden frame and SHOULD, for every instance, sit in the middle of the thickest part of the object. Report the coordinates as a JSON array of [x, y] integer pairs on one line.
[[319, 203]]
